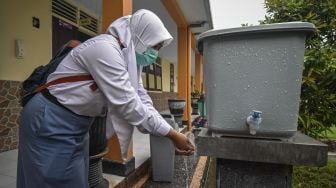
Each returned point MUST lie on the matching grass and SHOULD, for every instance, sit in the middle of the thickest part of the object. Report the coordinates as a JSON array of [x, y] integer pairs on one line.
[[314, 177]]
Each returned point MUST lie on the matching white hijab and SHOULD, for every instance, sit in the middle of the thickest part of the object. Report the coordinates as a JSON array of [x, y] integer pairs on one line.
[[147, 28], [137, 32]]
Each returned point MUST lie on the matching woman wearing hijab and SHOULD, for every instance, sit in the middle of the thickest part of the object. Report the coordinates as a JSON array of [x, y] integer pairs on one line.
[[53, 148]]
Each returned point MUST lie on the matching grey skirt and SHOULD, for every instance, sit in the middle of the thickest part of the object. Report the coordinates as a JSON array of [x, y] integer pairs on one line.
[[53, 146]]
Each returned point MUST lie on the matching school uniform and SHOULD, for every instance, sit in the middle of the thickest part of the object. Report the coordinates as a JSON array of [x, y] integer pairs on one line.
[[53, 147]]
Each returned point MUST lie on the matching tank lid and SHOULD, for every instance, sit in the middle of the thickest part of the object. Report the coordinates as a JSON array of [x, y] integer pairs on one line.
[[265, 28]]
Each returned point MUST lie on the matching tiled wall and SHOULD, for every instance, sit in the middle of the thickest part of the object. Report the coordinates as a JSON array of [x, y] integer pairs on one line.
[[10, 111], [9, 114], [160, 100]]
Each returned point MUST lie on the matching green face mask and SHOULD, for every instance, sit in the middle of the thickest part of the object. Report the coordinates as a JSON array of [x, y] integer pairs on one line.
[[147, 57]]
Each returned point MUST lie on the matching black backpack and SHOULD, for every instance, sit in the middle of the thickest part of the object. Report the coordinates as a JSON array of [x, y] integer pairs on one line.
[[36, 82]]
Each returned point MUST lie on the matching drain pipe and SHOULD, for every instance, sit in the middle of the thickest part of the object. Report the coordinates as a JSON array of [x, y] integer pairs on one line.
[[253, 121]]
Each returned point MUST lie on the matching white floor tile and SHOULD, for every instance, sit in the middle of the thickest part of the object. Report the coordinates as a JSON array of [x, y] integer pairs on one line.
[[12, 154], [6, 164], [6, 181], [113, 179], [9, 172], [12, 185], [141, 147]]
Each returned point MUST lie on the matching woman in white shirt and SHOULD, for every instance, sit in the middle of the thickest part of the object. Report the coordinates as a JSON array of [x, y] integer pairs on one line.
[[53, 148]]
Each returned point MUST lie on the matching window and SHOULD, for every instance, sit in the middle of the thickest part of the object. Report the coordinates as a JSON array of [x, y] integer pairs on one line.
[[152, 76], [171, 77]]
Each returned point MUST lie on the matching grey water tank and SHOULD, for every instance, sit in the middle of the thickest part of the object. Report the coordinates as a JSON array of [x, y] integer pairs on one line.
[[254, 68]]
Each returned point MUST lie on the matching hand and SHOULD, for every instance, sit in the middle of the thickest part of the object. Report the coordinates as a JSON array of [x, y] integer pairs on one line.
[[183, 145]]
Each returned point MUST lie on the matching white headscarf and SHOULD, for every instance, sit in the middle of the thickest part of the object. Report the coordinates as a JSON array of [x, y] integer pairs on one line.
[[137, 32], [143, 26], [147, 28]]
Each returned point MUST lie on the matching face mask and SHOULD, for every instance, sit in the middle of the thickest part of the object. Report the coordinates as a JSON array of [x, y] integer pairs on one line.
[[147, 57]]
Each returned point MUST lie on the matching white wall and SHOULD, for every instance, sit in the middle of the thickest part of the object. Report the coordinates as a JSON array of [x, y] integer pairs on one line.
[[16, 23]]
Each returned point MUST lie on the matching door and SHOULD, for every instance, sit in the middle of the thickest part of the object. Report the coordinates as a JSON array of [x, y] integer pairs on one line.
[[63, 32]]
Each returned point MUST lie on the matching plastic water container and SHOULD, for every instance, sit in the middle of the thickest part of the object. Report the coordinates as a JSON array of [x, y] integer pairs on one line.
[[254, 68], [163, 154]]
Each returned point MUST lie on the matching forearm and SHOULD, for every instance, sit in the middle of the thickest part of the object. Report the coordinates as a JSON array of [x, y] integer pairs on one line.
[[172, 134]]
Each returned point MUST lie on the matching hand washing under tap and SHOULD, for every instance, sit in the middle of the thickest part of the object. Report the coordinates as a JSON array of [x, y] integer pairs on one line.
[[253, 121]]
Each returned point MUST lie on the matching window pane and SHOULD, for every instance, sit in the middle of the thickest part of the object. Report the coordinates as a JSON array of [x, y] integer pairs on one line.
[[144, 80], [158, 71], [158, 83], [151, 81]]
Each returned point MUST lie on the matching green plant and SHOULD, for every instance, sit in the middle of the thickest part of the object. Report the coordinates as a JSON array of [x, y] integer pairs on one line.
[[195, 94], [318, 92], [315, 177], [330, 134]]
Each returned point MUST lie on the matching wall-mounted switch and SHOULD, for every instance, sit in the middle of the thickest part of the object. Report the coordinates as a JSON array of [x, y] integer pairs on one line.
[[36, 22], [19, 49]]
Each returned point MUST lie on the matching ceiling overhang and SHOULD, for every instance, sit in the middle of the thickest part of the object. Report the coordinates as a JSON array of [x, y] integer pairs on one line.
[[197, 14], [192, 14]]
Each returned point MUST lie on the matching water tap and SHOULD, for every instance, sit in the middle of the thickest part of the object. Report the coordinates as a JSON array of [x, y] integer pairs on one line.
[[253, 121]]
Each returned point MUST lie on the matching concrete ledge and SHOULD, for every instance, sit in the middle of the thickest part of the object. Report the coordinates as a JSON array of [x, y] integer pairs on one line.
[[117, 168], [138, 177], [331, 156], [298, 150]]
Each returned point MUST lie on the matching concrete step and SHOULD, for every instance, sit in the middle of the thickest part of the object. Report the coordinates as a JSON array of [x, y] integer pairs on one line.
[[331, 155]]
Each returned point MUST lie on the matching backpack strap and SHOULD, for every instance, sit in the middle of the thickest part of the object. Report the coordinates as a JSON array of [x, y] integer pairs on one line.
[[67, 79]]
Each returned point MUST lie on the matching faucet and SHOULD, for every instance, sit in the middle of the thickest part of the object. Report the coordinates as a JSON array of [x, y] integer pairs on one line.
[[253, 121]]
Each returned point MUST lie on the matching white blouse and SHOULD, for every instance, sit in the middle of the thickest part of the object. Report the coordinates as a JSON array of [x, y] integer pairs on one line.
[[104, 60]]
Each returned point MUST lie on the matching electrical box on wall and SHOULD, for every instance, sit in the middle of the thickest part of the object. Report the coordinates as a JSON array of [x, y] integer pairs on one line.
[[36, 22], [19, 49]]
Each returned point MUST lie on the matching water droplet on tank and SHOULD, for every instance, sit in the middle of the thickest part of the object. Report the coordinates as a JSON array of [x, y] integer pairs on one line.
[[248, 86]]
